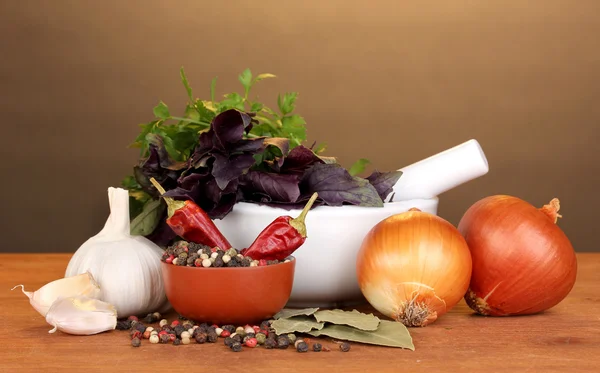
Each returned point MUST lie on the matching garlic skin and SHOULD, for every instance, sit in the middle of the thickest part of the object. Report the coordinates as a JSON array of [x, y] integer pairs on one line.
[[83, 284], [81, 315], [126, 267]]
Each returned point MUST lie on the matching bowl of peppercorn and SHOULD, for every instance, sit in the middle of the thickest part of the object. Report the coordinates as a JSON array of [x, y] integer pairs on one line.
[[208, 284]]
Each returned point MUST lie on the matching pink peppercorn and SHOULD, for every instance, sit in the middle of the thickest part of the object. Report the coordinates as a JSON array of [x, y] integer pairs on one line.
[[262, 263], [265, 332], [169, 260], [162, 332], [174, 323], [132, 318], [256, 329], [136, 334], [251, 342], [172, 337], [225, 334], [146, 335]]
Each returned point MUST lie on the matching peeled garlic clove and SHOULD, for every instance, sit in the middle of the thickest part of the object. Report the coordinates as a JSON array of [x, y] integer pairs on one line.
[[83, 284], [81, 315]]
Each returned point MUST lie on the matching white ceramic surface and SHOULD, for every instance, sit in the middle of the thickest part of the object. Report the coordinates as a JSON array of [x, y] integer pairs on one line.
[[441, 172], [326, 263]]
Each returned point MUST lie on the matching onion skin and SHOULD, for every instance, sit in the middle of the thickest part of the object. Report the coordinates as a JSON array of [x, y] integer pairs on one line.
[[413, 267], [523, 263]]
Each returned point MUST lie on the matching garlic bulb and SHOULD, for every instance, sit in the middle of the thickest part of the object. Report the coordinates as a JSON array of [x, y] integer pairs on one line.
[[126, 267], [81, 315], [43, 298]]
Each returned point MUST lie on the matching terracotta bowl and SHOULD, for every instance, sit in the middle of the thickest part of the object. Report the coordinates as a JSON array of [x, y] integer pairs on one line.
[[239, 295]]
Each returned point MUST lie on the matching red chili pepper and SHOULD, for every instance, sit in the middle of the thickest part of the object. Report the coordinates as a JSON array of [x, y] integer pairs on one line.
[[192, 223], [280, 238]]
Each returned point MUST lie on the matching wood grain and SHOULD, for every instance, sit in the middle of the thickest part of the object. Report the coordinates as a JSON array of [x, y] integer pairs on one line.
[[566, 338]]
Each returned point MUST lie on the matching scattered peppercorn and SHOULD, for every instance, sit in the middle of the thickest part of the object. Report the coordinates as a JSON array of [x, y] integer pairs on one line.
[[123, 325], [185, 334], [225, 333], [218, 262], [178, 330], [236, 347], [261, 338], [228, 341], [154, 339], [212, 337], [229, 328], [175, 323], [317, 347], [172, 337], [146, 335], [132, 318], [200, 337], [165, 338], [163, 322], [240, 331], [185, 341], [135, 334], [251, 342], [345, 347], [270, 343], [251, 335], [283, 342], [302, 347], [140, 327], [236, 337], [177, 342], [136, 342]]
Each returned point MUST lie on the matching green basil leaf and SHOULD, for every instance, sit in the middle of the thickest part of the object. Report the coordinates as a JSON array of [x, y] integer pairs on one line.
[[148, 219]]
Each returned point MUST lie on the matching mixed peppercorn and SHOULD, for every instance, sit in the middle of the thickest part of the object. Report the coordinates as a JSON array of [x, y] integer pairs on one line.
[[191, 254], [183, 332]]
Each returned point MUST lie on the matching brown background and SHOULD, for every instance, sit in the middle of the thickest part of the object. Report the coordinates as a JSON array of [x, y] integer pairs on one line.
[[386, 80]]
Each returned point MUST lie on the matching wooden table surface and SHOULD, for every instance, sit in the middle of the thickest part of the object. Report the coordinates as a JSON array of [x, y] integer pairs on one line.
[[566, 338]]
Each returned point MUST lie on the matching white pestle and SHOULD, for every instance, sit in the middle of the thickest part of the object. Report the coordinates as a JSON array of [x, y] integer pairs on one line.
[[441, 172]]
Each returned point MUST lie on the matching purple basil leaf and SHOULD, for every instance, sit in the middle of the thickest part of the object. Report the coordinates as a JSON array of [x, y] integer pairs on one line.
[[384, 182], [159, 154], [226, 169], [299, 159], [337, 187], [268, 187], [229, 127]]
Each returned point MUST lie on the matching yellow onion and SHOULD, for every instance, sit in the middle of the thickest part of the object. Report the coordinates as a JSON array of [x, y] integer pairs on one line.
[[414, 267]]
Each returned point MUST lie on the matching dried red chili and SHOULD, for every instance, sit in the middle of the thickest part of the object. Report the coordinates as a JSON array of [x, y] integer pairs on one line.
[[192, 223], [280, 238]]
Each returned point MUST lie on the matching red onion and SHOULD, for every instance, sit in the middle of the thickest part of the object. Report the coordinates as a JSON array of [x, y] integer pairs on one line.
[[523, 263]]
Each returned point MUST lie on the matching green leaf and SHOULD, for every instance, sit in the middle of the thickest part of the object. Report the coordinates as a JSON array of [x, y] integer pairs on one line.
[[297, 324], [320, 148], [389, 333], [260, 77], [293, 126], [246, 79], [286, 313], [359, 166], [255, 107], [148, 219], [352, 318], [287, 103], [186, 84], [161, 111], [129, 182], [232, 101], [213, 86]]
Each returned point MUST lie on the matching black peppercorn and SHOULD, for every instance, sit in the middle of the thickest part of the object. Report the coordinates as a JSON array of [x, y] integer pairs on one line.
[[123, 325], [246, 262], [265, 325], [233, 262], [228, 341], [302, 347], [177, 342], [136, 342], [218, 262], [140, 327], [201, 337], [229, 328], [283, 342], [271, 262], [237, 338], [178, 330], [270, 343], [317, 347], [251, 335], [345, 347], [165, 338], [236, 347], [212, 337], [188, 325]]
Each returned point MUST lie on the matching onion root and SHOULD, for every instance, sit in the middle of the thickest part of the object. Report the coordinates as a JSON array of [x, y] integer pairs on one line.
[[551, 210], [415, 312]]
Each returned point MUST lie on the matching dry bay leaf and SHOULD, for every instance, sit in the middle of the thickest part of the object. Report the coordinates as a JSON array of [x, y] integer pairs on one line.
[[352, 318], [389, 333], [296, 324], [286, 313]]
